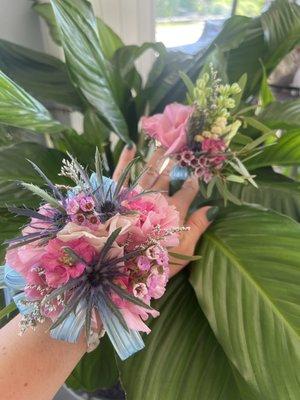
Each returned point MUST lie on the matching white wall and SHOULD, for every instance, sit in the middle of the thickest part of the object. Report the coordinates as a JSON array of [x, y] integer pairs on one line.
[[20, 24]]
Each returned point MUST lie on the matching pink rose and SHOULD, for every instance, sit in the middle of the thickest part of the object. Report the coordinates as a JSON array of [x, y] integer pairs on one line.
[[169, 128]]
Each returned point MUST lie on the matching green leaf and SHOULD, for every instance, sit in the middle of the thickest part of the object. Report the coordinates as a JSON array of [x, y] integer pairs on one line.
[[90, 72], [20, 109], [69, 141], [275, 192], [9, 228], [124, 60], [95, 131], [43, 76], [285, 152], [182, 359], [7, 310], [268, 39], [266, 96], [281, 28], [12, 194], [110, 42], [284, 115], [247, 284], [43, 195], [95, 370], [15, 167], [183, 257], [45, 11]]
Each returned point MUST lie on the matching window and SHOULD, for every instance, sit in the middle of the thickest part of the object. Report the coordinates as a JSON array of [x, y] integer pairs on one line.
[[194, 22]]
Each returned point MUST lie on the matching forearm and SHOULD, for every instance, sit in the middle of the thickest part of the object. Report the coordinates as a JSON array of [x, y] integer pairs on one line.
[[34, 366]]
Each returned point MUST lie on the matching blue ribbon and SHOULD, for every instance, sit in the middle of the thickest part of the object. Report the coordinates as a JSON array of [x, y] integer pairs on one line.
[[125, 342]]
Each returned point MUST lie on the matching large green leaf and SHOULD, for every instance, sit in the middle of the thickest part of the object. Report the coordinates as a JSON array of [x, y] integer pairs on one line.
[[275, 192], [95, 131], [45, 11], [109, 40], [247, 284], [43, 76], [281, 26], [12, 193], [9, 228], [182, 359], [95, 370], [285, 152], [90, 72], [282, 115], [14, 165], [20, 109]]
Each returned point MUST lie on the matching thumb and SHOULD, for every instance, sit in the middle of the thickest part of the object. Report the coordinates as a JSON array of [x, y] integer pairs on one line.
[[198, 222]]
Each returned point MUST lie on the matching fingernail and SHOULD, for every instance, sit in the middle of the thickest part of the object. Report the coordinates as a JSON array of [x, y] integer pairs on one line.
[[129, 146], [212, 213]]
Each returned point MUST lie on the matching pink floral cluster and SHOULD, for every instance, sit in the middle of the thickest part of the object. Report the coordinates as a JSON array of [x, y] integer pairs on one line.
[[205, 161], [150, 222], [81, 209], [170, 129]]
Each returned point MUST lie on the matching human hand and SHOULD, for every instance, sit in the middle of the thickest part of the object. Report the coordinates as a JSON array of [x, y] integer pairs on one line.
[[155, 179]]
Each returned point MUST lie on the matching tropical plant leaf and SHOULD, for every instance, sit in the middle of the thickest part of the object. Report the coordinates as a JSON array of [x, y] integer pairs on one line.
[[282, 115], [247, 284], [43, 76], [285, 152], [281, 26], [275, 192], [90, 72], [14, 165], [182, 359], [110, 42], [9, 228], [266, 96], [95, 370], [95, 131], [45, 11], [12, 194], [7, 310], [125, 57], [20, 109]]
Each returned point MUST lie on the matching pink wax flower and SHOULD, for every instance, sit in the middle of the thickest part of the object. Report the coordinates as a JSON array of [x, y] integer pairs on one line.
[[73, 206], [140, 290], [87, 203], [156, 284], [213, 145], [59, 266], [143, 263], [170, 127]]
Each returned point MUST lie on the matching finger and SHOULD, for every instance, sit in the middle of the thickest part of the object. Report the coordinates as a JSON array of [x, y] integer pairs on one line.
[[163, 179], [153, 166], [126, 156], [184, 197], [198, 222]]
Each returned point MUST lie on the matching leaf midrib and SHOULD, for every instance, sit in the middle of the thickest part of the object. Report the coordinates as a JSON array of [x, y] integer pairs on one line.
[[235, 261]]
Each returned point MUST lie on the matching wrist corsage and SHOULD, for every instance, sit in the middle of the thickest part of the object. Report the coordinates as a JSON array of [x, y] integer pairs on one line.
[[203, 136], [94, 250]]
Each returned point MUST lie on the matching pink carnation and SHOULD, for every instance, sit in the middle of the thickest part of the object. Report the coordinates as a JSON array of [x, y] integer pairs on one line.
[[23, 258], [59, 266], [170, 127]]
